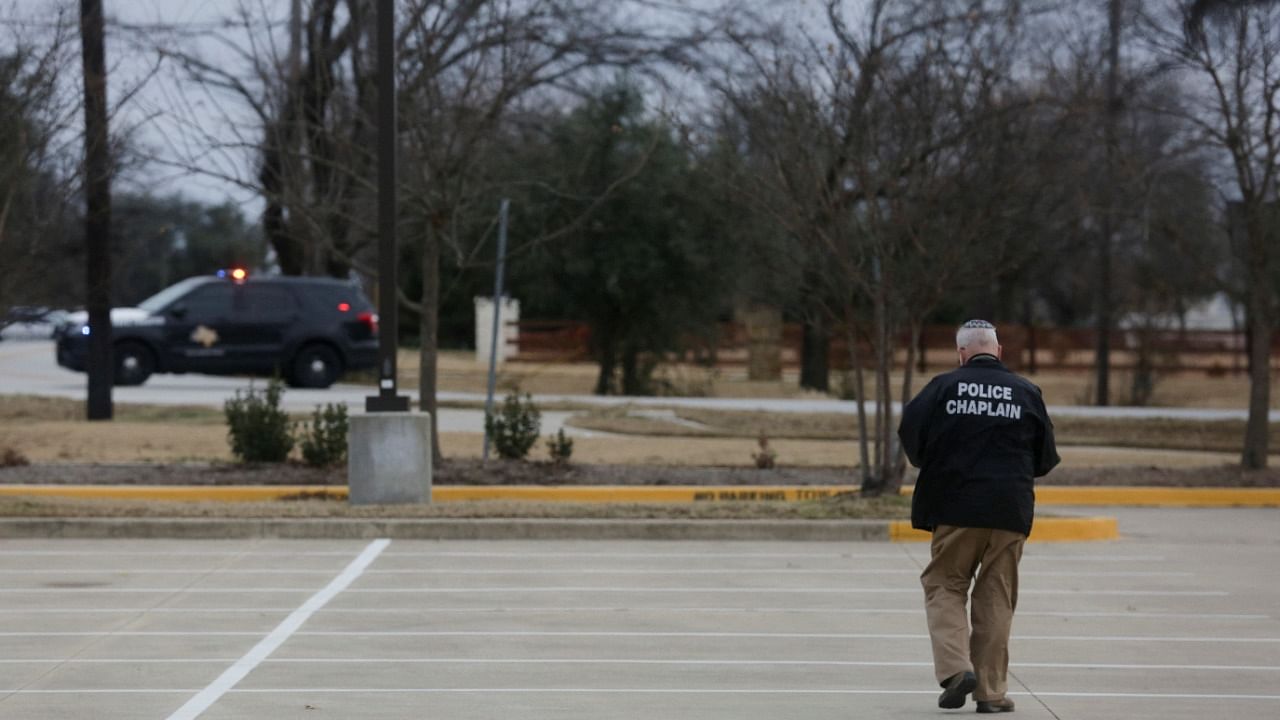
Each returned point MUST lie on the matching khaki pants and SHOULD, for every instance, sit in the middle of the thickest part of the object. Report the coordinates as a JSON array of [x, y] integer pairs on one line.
[[958, 555]]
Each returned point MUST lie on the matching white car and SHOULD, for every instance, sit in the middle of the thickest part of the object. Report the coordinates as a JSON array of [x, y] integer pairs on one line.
[[30, 323]]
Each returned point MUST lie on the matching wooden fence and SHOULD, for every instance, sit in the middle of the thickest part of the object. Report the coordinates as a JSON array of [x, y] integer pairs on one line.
[[1214, 352]]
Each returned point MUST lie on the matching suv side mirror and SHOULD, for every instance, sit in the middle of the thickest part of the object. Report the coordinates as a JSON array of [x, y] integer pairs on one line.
[[177, 312]]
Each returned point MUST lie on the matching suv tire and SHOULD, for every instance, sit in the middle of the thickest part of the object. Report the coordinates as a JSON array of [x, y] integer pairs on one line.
[[315, 366], [134, 363]]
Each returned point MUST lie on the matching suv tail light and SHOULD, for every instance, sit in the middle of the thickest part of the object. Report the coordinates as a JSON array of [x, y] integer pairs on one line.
[[371, 320]]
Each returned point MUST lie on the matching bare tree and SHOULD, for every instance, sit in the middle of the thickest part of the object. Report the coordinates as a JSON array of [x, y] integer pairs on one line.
[[464, 67], [468, 65], [1227, 53], [864, 137], [38, 115]]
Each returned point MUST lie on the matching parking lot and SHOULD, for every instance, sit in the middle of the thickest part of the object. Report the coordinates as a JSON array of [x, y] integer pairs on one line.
[[1178, 620]]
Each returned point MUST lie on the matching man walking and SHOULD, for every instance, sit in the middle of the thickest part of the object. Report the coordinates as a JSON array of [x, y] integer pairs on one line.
[[980, 436]]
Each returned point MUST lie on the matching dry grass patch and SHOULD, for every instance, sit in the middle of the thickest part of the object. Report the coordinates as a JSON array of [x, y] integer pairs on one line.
[[1092, 457], [30, 408], [1154, 433], [730, 452], [1159, 433], [117, 441], [459, 371]]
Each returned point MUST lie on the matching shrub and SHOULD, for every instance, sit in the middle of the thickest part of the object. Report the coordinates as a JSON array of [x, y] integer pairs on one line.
[[514, 429], [324, 439], [766, 458], [257, 428], [560, 446], [10, 457]]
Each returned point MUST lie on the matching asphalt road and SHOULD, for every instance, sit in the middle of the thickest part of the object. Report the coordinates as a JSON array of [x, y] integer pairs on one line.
[[29, 368], [1178, 620]]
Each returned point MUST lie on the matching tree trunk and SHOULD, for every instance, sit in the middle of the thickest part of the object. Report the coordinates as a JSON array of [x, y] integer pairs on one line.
[[815, 346], [1256, 433], [1261, 323], [428, 329], [855, 366], [1111, 119], [605, 351], [1027, 322], [884, 392], [101, 369], [921, 352], [272, 176], [899, 467], [632, 383]]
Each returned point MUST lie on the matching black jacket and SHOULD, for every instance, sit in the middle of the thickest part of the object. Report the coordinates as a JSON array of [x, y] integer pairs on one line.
[[980, 436]]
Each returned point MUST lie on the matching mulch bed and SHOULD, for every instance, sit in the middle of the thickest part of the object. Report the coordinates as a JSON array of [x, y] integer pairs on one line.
[[475, 472]]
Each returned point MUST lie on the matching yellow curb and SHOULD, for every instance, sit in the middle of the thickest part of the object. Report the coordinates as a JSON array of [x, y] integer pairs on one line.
[[1044, 530], [187, 493], [638, 494], [446, 493], [1046, 495], [1153, 496], [1159, 496]]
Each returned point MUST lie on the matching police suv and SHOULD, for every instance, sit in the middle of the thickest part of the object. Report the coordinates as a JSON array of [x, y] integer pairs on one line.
[[308, 330]]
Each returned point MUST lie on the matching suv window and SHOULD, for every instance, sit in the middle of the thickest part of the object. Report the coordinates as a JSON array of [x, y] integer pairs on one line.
[[268, 303], [208, 302]]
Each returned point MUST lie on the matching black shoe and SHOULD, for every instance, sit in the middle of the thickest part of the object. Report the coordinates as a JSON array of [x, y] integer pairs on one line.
[[995, 706], [956, 687]]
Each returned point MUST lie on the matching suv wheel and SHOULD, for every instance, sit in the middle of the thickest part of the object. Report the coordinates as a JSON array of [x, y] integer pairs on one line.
[[315, 366], [134, 363]]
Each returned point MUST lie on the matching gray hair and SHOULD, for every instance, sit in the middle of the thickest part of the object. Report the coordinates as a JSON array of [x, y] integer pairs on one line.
[[976, 334]]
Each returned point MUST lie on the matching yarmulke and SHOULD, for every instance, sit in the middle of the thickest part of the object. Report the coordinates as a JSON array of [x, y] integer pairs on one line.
[[982, 324]]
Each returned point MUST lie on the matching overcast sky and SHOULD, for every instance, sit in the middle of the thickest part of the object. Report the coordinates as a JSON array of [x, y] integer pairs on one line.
[[142, 97], [143, 100]]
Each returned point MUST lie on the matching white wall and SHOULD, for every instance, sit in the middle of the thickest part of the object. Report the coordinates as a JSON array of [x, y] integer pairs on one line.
[[508, 334]]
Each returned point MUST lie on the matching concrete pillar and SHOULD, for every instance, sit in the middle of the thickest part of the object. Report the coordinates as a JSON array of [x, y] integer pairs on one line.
[[389, 458]]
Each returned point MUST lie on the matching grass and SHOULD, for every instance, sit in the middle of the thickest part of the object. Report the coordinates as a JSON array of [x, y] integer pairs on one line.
[[1156, 433], [33, 408], [459, 371], [836, 508], [53, 430]]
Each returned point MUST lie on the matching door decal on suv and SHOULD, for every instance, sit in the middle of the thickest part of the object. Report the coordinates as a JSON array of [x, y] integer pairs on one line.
[[207, 337]]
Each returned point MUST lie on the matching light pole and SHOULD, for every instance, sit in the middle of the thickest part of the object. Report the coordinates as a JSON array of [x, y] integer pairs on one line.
[[388, 448], [387, 400]]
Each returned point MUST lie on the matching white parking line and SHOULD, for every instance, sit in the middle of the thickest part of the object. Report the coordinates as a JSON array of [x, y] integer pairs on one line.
[[815, 636], [81, 572], [752, 590], [614, 634], [717, 554], [610, 609], [631, 661], [712, 553], [628, 691], [173, 553], [287, 627]]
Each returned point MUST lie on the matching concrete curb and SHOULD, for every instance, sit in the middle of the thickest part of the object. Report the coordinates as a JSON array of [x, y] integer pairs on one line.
[[1045, 530], [1045, 495], [445, 529]]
